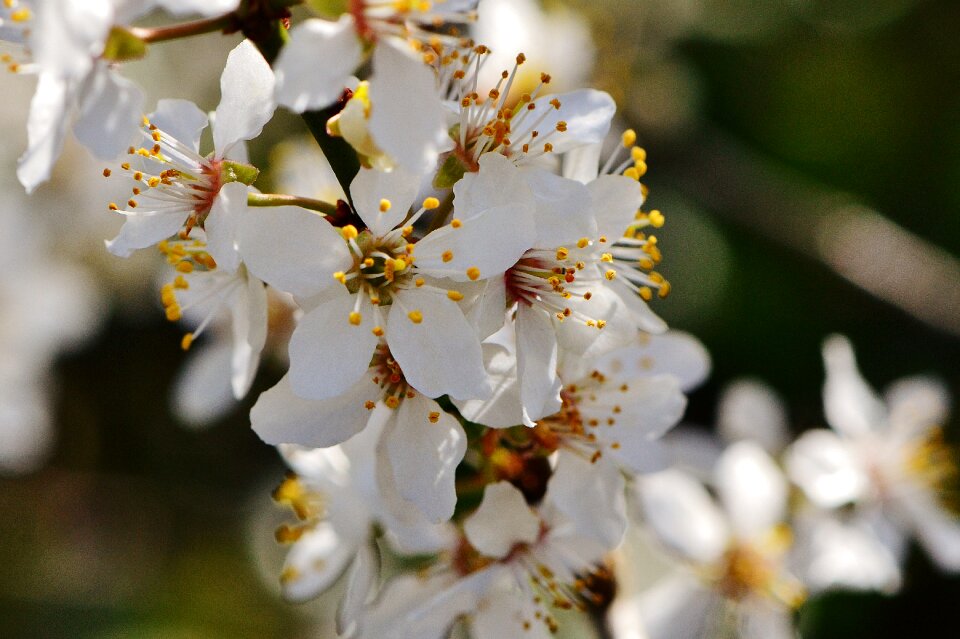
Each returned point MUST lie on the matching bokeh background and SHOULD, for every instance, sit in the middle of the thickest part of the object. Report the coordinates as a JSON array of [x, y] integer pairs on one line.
[[806, 154]]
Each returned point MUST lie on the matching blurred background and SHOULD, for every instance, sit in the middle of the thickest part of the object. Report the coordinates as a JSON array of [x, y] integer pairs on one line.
[[806, 154]]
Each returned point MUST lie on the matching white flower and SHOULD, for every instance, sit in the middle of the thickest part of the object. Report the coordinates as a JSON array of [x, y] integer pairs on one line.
[[66, 42], [733, 557], [382, 283], [335, 496], [515, 563], [750, 409], [175, 188], [887, 457]]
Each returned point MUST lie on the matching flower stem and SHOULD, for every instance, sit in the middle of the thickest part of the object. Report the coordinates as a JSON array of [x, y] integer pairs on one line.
[[184, 30], [278, 199]]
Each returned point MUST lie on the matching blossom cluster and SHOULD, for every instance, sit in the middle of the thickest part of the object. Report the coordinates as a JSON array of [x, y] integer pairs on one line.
[[465, 288]]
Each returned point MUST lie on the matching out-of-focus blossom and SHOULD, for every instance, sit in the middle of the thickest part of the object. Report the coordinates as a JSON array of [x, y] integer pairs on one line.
[[885, 456]]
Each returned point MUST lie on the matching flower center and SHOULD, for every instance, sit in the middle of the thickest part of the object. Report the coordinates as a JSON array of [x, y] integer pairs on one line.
[[389, 377], [931, 460], [380, 264], [554, 281]]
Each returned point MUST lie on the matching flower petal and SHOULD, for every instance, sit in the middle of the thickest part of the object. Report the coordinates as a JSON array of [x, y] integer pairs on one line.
[[370, 188], [316, 561], [752, 410], [181, 119], [537, 364], [141, 231], [202, 392], [502, 520], [440, 354], [46, 127], [563, 209], [303, 84], [246, 98], [229, 208], [615, 202], [282, 417], [361, 583], [425, 444], [249, 312], [292, 249], [752, 489], [852, 407], [503, 408], [826, 468], [587, 112], [591, 495], [328, 353], [403, 86], [110, 110]]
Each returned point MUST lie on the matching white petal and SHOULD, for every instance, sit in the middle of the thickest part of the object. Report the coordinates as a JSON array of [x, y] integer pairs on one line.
[[591, 495], [503, 408], [917, 403], [110, 111], [537, 363], [503, 520], [246, 102], [328, 354], [505, 614], [317, 63], [315, 562], [937, 529], [752, 489], [282, 417], [673, 353], [407, 119], [292, 249], [67, 35], [683, 516], [441, 355], [752, 410], [583, 163], [563, 209], [826, 468], [496, 210], [141, 231], [424, 454], [677, 607], [202, 393], [228, 210], [181, 119], [587, 112], [249, 312], [761, 620], [615, 201], [370, 187], [46, 127], [361, 582], [852, 407]]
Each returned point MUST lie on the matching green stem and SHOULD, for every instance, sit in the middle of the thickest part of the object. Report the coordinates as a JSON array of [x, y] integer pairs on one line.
[[278, 199], [185, 30]]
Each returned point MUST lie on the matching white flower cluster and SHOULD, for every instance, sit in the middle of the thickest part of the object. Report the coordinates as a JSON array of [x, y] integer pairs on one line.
[[474, 372]]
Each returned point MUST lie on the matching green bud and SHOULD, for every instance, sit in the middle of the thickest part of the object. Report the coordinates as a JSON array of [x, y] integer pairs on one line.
[[122, 46], [450, 173], [238, 172], [328, 8]]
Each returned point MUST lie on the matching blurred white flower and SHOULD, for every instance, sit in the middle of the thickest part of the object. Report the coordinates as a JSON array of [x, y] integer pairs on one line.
[[885, 456]]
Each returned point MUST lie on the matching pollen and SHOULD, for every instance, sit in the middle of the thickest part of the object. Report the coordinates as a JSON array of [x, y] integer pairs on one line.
[[656, 218], [456, 296], [434, 417], [583, 242], [377, 330], [355, 318], [106, 173], [349, 232], [385, 205], [629, 138], [447, 256], [610, 274], [186, 342], [455, 223], [431, 203], [415, 316]]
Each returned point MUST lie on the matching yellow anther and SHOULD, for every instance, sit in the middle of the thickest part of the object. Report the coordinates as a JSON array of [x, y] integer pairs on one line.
[[601, 324], [419, 282], [392, 402], [173, 313], [349, 232], [415, 316], [113, 206], [409, 248], [132, 204], [153, 182], [455, 223], [447, 256], [473, 273], [369, 405], [646, 293], [377, 330], [106, 173], [562, 253], [21, 15], [629, 138], [664, 290], [368, 262], [184, 266], [434, 417], [641, 168], [186, 342], [181, 282], [431, 203], [341, 277], [355, 318], [399, 264], [167, 296], [606, 257], [385, 205], [456, 296], [638, 154], [656, 219], [646, 264], [583, 242], [632, 173], [610, 274], [406, 231]]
